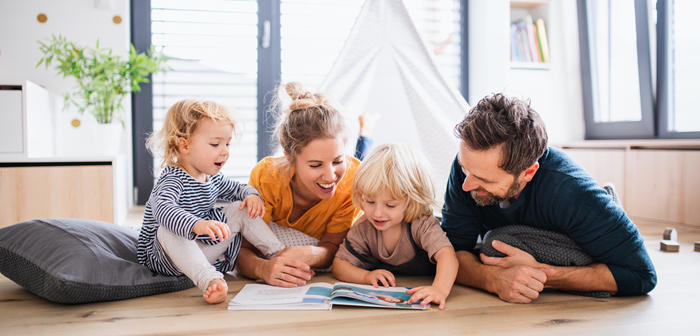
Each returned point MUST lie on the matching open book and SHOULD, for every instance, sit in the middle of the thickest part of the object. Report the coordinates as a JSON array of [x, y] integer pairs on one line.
[[320, 296]]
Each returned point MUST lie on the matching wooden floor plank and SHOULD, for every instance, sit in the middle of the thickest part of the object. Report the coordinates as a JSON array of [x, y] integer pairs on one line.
[[669, 309]]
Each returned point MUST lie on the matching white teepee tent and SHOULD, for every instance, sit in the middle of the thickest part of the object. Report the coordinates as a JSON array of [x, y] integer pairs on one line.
[[386, 68]]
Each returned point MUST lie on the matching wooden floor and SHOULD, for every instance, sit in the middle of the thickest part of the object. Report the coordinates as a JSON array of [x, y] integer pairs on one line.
[[671, 309]]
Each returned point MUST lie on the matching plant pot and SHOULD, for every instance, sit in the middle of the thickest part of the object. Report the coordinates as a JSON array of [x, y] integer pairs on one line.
[[107, 139]]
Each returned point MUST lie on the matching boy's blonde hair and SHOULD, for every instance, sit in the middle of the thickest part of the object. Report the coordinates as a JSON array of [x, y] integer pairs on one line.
[[182, 120], [403, 171]]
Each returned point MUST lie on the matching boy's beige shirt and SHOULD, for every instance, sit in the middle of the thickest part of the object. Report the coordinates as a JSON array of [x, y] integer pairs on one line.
[[367, 241]]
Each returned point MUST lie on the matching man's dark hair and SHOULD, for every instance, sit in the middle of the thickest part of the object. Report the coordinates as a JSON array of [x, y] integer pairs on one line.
[[499, 120]]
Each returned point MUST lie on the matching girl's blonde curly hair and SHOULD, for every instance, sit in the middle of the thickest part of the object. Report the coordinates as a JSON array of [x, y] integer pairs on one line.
[[181, 121]]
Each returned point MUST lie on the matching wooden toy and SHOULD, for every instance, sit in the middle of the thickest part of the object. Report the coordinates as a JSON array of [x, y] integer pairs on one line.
[[669, 246], [670, 234]]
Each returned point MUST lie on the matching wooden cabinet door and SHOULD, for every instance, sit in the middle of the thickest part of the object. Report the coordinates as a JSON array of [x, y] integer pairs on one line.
[[55, 192], [664, 185], [605, 165]]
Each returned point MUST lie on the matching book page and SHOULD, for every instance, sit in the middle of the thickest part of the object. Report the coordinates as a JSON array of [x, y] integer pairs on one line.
[[266, 294], [256, 294], [382, 296]]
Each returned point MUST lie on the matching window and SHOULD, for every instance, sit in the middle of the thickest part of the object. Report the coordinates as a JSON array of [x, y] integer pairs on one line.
[[314, 31], [616, 69], [213, 51], [312, 35], [439, 24], [615, 37], [614, 61], [236, 51], [679, 45]]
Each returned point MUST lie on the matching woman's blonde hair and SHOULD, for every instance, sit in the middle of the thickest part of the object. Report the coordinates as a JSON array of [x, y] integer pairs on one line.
[[309, 116], [403, 171], [182, 120]]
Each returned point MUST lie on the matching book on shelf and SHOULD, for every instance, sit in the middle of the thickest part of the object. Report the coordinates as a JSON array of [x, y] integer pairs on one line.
[[320, 296], [542, 38], [529, 41], [532, 41]]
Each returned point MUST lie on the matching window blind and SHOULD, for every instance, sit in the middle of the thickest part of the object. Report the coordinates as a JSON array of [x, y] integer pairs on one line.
[[213, 51]]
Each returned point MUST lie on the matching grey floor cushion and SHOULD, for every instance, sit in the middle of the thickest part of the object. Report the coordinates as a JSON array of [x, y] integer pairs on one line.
[[79, 261]]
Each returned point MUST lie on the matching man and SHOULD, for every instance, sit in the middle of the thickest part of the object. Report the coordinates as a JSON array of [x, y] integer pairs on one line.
[[505, 175]]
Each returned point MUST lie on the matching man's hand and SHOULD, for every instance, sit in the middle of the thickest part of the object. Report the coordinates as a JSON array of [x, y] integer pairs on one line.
[[520, 278], [514, 257], [519, 284]]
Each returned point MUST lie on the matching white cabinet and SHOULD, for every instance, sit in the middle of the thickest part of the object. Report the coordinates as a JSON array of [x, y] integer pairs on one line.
[[11, 136], [49, 167], [27, 113]]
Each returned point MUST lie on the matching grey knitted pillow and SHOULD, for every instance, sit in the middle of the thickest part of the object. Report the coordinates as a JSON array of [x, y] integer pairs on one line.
[[553, 248], [79, 261]]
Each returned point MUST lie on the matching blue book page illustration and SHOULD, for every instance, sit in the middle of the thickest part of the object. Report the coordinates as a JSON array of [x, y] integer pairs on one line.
[[394, 297]]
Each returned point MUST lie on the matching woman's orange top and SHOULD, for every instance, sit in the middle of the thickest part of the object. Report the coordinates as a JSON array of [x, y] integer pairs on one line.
[[332, 215]]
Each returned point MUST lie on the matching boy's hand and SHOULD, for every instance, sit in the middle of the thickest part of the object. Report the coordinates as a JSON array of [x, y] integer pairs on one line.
[[427, 294], [256, 206], [381, 275], [213, 229]]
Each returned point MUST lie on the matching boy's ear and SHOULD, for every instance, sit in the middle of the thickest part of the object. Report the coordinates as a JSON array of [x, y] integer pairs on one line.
[[182, 145]]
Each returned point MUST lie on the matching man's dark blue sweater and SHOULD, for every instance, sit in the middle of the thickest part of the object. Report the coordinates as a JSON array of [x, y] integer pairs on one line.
[[561, 197]]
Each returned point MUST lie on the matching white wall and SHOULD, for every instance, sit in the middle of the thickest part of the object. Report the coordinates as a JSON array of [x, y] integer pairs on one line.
[[554, 93], [79, 21]]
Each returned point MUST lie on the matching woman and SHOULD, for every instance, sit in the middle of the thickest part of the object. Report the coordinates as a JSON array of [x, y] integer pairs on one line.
[[308, 189]]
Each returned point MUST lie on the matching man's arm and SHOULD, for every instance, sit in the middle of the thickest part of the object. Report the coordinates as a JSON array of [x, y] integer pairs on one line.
[[516, 284], [594, 277], [604, 231], [459, 218]]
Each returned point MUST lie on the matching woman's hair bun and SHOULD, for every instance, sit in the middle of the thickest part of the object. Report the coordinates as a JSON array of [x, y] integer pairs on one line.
[[296, 91], [302, 99]]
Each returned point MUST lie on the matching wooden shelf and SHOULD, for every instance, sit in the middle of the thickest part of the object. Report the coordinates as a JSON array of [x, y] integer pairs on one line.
[[527, 4], [668, 144], [529, 65]]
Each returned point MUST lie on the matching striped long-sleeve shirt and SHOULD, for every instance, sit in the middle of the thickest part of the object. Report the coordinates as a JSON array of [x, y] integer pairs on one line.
[[178, 201]]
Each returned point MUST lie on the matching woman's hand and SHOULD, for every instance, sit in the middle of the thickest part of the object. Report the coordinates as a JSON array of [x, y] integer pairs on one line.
[[428, 294], [320, 256], [381, 275], [305, 254], [255, 204], [213, 229], [284, 272]]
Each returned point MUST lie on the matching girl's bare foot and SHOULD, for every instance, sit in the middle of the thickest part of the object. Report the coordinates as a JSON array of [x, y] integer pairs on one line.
[[367, 122], [216, 292]]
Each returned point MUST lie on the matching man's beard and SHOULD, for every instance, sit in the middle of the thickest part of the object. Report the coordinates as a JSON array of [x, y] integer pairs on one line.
[[491, 199]]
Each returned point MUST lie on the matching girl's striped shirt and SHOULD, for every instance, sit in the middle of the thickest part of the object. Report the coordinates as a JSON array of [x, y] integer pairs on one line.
[[178, 201]]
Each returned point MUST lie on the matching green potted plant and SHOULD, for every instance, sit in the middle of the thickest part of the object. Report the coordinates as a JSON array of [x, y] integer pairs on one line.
[[103, 79]]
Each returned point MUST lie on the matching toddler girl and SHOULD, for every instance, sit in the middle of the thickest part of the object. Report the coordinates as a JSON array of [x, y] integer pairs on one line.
[[397, 233], [183, 233]]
